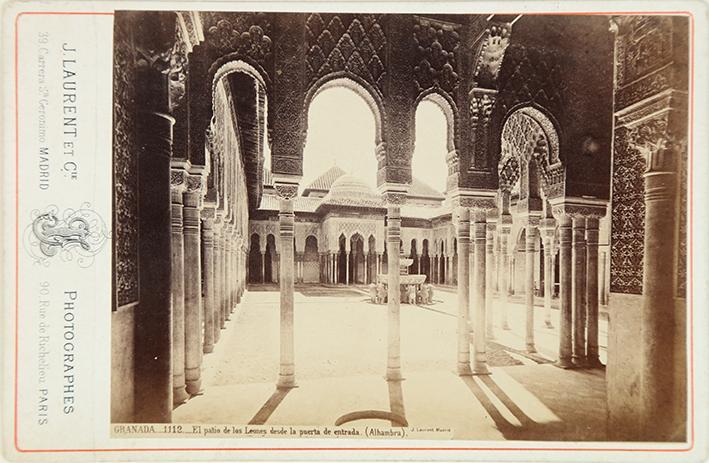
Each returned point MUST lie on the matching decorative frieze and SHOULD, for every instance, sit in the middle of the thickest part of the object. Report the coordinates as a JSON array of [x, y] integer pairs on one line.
[[436, 46], [348, 43]]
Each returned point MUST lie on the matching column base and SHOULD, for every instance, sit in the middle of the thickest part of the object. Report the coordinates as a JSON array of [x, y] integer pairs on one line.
[[286, 382], [579, 362], [565, 364], [548, 324], [505, 326], [208, 348], [179, 395], [595, 363], [531, 349], [463, 369], [394, 374], [194, 387], [480, 370]]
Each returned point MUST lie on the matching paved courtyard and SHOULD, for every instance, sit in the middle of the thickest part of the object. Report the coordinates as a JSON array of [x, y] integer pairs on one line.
[[340, 345]]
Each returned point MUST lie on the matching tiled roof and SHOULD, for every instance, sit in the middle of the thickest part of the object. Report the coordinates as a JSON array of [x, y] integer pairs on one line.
[[300, 204], [324, 181], [420, 189], [412, 211]]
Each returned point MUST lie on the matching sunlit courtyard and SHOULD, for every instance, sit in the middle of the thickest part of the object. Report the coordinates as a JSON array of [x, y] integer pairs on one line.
[[340, 348]]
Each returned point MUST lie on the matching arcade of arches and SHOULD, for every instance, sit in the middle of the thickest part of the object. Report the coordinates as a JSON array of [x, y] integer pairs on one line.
[[549, 117]]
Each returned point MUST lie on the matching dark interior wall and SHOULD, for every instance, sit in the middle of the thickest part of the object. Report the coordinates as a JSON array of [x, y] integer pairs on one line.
[[563, 65]]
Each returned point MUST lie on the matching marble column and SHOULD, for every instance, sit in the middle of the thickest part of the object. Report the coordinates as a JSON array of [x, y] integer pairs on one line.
[[565, 291], [506, 223], [208, 257], [579, 290], [286, 223], [604, 288], [490, 278], [592, 292], [263, 266], [179, 394], [237, 265], [153, 153], [193, 284], [347, 268], [366, 268], [393, 372], [223, 264], [660, 351], [480, 323], [229, 270], [217, 269], [547, 228], [531, 248], [463, 242]]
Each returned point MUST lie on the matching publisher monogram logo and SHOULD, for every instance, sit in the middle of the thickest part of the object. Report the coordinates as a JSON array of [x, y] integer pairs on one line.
[[72, 235]]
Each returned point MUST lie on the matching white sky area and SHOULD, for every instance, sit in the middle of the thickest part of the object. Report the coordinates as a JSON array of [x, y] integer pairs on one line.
[[341, 131]]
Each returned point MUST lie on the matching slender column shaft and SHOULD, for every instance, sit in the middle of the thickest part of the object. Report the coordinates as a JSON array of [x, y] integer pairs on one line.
[[548, 280], [504, 277], [366, 265], [193, 291], [393, 293], [217, 284], [263, 266], [659, 397], [337, 268], [531, 244], [592, 290], [490, 277], [229, 274], [604, 288], [579, 288], [237, 265], [480, 338], [226, 246], [463, 365], [286, 377], [178, 300], [347, 268], [209, 305], [565, 291]]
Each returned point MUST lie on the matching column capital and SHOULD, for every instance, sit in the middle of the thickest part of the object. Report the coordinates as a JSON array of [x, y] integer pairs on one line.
[[478, 200], [286, 191], [178, 180], [208, 213], [658, 145], [394, 198], [578, 207]]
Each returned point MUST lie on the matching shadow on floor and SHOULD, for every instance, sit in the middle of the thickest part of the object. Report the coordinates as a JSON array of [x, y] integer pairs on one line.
[[270, 406], [567, 429]]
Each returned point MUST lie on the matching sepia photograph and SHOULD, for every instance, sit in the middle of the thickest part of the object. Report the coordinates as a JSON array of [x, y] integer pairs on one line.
[[442, 226]]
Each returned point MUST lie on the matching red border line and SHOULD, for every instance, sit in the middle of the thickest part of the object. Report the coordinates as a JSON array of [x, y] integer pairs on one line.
[[690, 197]]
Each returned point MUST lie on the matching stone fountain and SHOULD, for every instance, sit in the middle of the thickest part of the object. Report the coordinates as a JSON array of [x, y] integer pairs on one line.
[[409, 284]]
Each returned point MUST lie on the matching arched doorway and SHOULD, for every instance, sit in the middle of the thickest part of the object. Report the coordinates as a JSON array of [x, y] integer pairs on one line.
[[371, 260], [270, 272], [426, 261], [255, 260], [311, 261], [356, 259], [413, 268]]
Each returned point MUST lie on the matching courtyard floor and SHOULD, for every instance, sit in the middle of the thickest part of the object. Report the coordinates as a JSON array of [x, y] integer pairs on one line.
[[340, 345]]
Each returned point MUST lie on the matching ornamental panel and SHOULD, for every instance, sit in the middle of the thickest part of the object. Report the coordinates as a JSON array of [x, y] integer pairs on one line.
[[125, 170], [627, 216], [436, 47], [349, 43]]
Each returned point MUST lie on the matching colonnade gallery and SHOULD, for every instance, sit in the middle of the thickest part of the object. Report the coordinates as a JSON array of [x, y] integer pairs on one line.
[[541, 294]]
